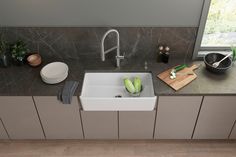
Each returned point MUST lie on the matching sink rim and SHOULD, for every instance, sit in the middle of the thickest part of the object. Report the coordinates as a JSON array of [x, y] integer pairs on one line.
[[91, 101], [110, 71]]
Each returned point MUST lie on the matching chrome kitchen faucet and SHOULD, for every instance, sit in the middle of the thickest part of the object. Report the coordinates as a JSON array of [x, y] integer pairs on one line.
[[117, 47]]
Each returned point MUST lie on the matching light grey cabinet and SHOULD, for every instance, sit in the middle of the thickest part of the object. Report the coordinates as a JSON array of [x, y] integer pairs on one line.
[[176, 116], [3, 133], [136, 125], [216, 119], [20, 117], [59, 121], [233, 133], [100, 124]]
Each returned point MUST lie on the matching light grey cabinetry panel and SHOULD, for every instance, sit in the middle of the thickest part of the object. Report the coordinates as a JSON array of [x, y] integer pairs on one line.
[[233, 133], [20, 117], [3, 133], [100, 124], [60, 121], [136, 125], [216, 118], [176, 116]]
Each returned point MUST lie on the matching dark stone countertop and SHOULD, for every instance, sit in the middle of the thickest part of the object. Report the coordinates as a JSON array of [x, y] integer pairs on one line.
[[26, 81]]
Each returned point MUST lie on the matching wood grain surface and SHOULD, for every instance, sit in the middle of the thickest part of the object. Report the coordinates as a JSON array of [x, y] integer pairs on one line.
[[131, 148], [183, 77]]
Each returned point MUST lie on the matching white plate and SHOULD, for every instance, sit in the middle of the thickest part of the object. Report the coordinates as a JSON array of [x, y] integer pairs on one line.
[[54, 70], [54, 81]]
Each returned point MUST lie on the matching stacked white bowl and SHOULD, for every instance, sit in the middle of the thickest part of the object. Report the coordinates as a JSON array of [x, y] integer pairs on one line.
[[54, 72]]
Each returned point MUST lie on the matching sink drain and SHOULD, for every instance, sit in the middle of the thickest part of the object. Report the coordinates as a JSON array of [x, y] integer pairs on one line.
[[118, 96]]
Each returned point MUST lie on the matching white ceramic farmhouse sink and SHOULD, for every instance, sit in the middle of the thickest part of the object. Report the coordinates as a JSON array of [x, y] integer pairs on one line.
[[106, 92]]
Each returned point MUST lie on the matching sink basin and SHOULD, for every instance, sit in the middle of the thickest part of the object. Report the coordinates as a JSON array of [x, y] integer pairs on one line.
[[106, 92]]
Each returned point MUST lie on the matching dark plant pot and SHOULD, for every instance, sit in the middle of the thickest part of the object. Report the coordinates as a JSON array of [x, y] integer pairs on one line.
[[19, 63], [4, 59]]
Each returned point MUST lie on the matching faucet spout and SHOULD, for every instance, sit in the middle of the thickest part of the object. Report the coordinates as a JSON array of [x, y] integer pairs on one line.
[[116, 47]]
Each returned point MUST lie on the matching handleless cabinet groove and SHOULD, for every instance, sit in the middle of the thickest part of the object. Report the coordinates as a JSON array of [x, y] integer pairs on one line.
[[3, 133], [233, 132]]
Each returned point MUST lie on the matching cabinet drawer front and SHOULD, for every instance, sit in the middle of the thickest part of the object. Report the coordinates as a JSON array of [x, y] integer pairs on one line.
[[60, 121], [136, 124], [176, 116], [20, 117], [216, 117], [100, 124]]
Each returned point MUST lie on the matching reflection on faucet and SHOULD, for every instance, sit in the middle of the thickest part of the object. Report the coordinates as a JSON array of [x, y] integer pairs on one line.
[[117, 47]]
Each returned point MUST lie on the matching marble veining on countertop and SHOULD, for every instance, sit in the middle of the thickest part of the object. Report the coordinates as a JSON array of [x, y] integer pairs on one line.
[[26, 81]]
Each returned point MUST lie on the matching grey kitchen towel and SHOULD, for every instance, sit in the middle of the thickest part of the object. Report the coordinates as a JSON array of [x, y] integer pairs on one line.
[[65, 95]]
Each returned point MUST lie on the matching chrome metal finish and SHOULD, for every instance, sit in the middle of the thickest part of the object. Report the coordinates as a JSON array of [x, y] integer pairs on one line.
[[116, 47]]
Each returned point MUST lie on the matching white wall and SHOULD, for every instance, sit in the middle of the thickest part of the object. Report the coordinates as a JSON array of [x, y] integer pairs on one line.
[[100, 12]]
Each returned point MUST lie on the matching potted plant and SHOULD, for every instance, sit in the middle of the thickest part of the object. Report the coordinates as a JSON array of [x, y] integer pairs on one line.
[[19, 52], [3, 52]]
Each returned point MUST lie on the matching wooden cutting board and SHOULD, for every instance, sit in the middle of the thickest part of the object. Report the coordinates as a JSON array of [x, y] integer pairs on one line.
[[182, 77]]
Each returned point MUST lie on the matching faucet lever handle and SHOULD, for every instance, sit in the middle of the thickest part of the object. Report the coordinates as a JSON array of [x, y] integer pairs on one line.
[[124, 54], [121, 57]]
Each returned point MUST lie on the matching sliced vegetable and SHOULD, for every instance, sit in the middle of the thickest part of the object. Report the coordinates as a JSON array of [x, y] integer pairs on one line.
[[180, 67]]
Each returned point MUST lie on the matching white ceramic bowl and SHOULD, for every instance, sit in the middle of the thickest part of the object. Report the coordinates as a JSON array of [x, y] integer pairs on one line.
[[54, 72]]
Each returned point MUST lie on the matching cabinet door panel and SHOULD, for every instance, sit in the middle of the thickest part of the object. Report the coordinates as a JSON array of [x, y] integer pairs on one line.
[[60, 121], [216, 118], [3, 134], [100, 124], [176, 116], [20, 117], [136, 125]]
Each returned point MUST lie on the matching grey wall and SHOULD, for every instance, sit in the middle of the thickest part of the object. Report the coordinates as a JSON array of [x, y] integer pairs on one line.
[[100, 12]]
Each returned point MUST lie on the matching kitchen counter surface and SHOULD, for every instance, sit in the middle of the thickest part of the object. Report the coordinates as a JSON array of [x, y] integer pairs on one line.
[[25, 80]]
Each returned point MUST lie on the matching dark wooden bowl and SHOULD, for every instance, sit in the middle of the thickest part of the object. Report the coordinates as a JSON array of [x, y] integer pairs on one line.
[[211, 58]]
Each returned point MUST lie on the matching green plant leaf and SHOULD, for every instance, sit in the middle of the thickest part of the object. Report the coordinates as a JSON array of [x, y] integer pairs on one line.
[[18, 50], [234, 53]]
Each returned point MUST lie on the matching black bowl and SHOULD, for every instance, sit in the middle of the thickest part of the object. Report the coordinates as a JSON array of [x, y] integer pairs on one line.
[[211, 58]]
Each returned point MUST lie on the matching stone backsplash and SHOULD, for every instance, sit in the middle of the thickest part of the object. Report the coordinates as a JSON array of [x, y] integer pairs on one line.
[[139, 43]]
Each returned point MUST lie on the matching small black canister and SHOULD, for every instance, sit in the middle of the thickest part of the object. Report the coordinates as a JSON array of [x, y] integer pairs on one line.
[[163, 54]]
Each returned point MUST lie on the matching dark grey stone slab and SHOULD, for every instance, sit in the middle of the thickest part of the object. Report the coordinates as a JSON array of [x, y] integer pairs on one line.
[[25, 80], [80, 49]]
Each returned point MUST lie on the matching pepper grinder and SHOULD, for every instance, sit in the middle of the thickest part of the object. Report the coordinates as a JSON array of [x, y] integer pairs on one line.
[[166, 54], [160, 53]]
